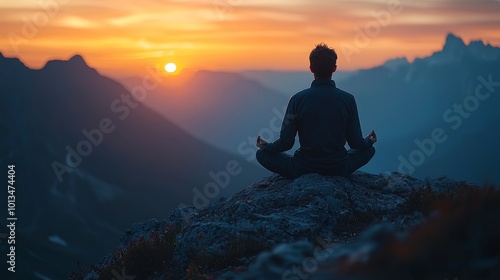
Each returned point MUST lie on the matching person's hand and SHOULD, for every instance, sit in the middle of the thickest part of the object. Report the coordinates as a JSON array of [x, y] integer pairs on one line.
[[261, 143], [372, 137]]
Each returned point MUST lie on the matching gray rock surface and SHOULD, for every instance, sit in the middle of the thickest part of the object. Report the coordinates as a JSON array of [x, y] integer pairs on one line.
[[270, 226], [277, 211]]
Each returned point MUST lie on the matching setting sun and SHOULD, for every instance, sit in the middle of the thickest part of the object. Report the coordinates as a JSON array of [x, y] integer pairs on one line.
[[170, 67]]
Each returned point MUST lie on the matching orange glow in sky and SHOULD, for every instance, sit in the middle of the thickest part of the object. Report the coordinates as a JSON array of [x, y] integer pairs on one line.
[[123, 37]]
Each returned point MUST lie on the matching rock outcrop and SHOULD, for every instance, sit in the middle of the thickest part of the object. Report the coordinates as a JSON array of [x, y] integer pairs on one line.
[[290, 229]]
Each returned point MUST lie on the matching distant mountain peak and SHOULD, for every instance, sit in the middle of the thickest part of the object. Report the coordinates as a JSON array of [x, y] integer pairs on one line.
[[76, 62], [453, 43], [452, 36], [11, 61], [454, 50], [477, 43], [396, 63], [77, 59]]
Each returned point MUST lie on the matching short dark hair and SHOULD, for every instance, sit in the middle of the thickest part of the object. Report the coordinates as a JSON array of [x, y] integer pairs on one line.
[[322, 60]]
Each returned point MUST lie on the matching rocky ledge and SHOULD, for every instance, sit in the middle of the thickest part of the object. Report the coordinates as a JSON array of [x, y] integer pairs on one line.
[[315, 227]]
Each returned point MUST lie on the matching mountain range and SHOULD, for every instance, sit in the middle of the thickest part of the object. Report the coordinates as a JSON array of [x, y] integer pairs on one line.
[[90, 160], [454, 91]]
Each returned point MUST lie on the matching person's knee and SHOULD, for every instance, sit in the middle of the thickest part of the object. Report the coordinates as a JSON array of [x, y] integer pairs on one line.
[[259, 155], [369, 154]]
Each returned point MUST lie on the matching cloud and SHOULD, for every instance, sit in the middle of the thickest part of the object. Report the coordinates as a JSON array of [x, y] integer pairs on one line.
[[77, 22], [231, 34]]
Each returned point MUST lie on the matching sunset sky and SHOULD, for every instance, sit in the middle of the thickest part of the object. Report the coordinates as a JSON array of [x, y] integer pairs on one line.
[[123, 37]]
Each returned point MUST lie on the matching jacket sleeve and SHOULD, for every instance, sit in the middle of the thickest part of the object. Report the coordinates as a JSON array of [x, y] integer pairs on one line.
[[353, 130], [288, 131]]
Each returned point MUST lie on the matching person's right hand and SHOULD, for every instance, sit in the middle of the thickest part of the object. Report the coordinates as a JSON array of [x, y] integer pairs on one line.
[[372, 136]]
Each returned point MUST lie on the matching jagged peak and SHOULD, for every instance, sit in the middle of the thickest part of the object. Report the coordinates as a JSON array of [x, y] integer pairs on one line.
[[396, 63], [76, 61], [477, 43], [210, 73], [11, 60], [453, 43]]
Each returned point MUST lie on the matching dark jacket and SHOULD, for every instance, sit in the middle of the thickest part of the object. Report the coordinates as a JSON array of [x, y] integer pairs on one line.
[[325, 118]]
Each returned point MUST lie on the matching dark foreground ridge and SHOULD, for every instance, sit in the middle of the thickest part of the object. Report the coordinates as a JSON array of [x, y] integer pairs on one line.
[[315, 227]]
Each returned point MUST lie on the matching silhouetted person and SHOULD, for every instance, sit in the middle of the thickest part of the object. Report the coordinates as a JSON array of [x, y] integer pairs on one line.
[[325, 118]]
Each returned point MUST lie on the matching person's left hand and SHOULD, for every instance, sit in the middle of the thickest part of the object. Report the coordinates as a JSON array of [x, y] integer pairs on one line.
[[372, 137], [261, 143]]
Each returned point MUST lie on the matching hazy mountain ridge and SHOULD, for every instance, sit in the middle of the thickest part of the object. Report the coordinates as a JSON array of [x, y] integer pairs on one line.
[[224, 109], [456, 50], [288, 82]]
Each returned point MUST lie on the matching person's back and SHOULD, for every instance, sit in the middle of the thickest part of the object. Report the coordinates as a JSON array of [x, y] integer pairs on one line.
[[324, 117], [323, 113]]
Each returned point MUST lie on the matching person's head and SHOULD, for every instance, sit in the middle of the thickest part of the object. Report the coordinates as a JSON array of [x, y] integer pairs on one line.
[[323, 61]]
